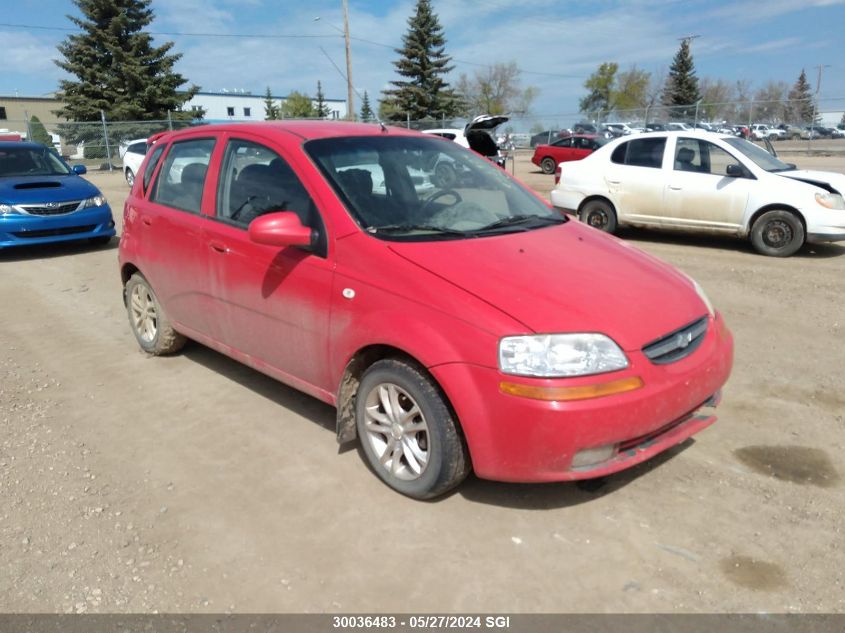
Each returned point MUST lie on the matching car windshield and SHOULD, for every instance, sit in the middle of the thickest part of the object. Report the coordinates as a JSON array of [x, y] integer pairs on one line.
[[422, 188], [31, 161], [758, 155]]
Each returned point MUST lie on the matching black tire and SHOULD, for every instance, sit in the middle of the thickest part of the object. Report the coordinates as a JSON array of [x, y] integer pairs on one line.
[[777, 233], [130, 176], [447, 462], [548, 165], [141, 305], [600, 215]]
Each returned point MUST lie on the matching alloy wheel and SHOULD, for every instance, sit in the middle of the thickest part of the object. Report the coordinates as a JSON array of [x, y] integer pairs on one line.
[[397, 431]]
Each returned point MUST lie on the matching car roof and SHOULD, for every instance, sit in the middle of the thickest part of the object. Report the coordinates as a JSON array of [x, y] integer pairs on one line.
[[13, 144], [694, 133], [307, 130]]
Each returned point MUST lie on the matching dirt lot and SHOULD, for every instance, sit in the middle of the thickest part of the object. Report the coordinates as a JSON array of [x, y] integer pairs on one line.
[[193, 484]]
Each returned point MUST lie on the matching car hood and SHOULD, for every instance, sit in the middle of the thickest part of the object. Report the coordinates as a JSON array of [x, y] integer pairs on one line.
[[34, 189], [824, 179], [566, 278]]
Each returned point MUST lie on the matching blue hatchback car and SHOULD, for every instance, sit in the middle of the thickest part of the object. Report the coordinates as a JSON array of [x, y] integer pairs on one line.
[[43, 200]]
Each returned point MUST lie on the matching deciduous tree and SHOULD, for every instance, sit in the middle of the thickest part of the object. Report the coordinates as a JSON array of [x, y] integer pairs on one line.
[[298, 106], [495, 89]]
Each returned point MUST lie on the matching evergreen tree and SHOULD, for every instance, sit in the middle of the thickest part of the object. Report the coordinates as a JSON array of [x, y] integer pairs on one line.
[[422, 92], [271, 110], [39, 132], [682, 85], [367, 113], [322, 110], [118, 71], [117, 68], [800, 101]]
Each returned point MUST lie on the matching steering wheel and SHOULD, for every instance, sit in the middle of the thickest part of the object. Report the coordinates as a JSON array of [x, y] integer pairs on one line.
[[426, 206]]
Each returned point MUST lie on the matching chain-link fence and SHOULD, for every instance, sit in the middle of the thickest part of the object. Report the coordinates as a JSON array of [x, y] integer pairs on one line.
[[102, 143]]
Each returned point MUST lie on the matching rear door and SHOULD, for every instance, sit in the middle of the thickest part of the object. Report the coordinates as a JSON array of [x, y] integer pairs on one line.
[[169, 232], [636, 179], [269, 303]]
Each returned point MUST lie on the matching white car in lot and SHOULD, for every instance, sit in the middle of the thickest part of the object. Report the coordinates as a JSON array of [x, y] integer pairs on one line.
[[132, 153], [700, 181]]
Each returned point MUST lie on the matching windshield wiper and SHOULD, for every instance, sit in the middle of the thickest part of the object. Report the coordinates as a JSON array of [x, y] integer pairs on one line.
[[410, 228], [529, 221]]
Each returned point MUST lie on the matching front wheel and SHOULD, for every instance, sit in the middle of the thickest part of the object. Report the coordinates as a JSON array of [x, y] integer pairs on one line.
[[408, 434], [600, 215], [149, 324], [777, 234], [130, 176], [548, 165]]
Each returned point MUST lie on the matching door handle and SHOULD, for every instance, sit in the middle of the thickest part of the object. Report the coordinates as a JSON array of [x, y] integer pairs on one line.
[[675, 188], [219, 247], [613, 182], [147, 221]]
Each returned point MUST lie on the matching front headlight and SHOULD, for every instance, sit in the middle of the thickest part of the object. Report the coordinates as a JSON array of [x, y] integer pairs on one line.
[[6, 208], [830, 200], [703, 296], [560, 355], [96, 201]]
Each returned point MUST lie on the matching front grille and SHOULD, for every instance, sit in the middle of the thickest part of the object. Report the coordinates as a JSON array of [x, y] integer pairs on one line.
[[54, 232], [58, 208], [678, 344]]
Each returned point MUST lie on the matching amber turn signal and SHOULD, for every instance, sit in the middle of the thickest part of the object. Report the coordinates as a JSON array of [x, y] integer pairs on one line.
[[563, 394]]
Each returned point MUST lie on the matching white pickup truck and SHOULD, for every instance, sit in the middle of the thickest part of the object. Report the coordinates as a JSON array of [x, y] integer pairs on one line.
[[759, 131]]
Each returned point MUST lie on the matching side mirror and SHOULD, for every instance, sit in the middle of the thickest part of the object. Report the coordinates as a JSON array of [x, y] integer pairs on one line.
[[79, 169], [735, 171], [281, 228]]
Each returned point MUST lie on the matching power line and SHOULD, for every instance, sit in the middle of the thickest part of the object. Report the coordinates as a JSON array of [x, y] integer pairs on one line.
[[285, 36]]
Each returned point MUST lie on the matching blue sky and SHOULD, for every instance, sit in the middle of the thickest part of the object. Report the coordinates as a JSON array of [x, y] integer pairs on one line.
[[556, 43]]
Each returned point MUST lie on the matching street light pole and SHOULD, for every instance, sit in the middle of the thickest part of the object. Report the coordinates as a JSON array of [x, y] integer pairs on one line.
[[350, 105]]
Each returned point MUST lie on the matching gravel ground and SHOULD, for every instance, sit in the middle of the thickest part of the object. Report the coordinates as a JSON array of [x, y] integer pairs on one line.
[[193, 484]]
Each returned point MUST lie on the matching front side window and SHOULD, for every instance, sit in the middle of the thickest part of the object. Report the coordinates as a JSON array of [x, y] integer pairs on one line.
[[703, 157], [564, 142], [757, 154], [412, 188], [182, 175]]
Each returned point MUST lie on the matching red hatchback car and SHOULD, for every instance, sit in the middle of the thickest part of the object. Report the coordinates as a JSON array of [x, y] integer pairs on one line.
[[454, 329], [574, 147]]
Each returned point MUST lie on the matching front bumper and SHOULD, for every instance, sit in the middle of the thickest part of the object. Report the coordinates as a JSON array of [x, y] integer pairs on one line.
[[519, 439], [22, 230]]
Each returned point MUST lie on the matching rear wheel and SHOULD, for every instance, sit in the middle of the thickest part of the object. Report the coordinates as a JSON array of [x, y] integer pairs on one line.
[[130, 176], [548, 165], [600, 215], [148, 321], [408, 433], [777, 233]]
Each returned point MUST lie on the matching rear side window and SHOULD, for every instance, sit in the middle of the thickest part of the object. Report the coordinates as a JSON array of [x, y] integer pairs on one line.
[[151, 166], [181, 178], [641, 152], [137, 148]]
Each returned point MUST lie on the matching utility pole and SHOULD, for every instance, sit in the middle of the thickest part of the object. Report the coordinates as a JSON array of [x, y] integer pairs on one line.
[[816, 101], [350, 105]]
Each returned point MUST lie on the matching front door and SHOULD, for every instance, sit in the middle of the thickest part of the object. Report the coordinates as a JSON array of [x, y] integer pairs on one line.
[[699, 193], [271, 303]]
